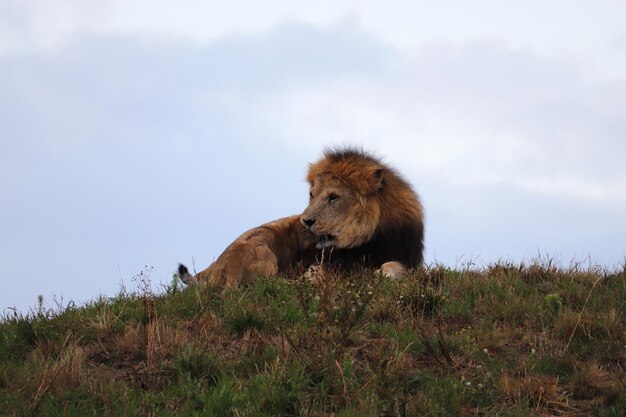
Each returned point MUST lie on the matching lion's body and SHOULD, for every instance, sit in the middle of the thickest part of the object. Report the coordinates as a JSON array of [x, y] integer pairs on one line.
[[264, 250], [360, 209]]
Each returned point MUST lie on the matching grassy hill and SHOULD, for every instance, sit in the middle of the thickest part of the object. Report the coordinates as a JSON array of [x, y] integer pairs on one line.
[[505, 340]]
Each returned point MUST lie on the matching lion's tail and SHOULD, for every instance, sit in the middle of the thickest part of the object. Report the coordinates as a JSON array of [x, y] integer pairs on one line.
[[185, 276]]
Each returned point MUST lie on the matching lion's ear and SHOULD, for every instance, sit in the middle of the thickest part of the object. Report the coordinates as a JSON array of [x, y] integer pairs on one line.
[[378, 176]]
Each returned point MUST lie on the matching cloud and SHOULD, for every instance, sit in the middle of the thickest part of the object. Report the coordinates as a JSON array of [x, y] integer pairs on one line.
[[47, 25]]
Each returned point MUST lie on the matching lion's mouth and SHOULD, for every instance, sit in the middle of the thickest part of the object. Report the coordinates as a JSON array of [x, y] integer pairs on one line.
[[325, 241]]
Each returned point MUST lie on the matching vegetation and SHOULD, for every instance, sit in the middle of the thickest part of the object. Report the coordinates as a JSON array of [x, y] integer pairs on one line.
[[504, 340]]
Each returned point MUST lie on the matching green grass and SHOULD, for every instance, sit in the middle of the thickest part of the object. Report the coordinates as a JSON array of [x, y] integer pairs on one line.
[[505, 340]]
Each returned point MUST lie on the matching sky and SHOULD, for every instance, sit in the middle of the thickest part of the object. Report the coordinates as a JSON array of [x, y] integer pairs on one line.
[[138, 134]]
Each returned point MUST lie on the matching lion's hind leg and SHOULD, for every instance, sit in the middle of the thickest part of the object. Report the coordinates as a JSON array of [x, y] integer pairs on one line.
[[240, 261], [262, 262]]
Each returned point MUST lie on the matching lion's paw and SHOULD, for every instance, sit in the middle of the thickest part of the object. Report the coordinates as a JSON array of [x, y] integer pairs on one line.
[[392, 269]]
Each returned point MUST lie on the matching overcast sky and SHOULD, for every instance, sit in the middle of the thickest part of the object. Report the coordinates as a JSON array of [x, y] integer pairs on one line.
[[137, 133]]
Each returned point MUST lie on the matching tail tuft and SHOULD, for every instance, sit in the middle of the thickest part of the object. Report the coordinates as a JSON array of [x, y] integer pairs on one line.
[[185, 276]]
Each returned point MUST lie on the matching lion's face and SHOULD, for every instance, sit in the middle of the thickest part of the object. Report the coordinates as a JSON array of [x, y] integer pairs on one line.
[[338, 215]]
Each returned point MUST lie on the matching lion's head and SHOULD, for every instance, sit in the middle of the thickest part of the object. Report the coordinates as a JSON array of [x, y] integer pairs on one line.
[[346, 193]]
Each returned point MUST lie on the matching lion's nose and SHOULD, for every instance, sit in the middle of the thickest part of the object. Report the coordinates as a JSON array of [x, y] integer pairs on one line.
[[308, 222]]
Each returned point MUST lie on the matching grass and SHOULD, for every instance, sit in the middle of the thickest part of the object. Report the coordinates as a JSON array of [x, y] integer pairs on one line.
[[504, 340]]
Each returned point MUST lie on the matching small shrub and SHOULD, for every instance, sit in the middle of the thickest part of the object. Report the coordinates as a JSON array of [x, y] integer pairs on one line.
[[554, 302]]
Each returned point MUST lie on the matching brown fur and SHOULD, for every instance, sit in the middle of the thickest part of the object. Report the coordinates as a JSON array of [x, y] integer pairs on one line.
[[360, 209]]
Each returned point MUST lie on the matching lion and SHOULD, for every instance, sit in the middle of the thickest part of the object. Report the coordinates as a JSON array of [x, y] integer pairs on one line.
[[361, 212]]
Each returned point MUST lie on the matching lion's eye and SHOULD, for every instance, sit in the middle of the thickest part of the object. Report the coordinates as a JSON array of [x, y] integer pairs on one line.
[[332, 198], [310, 194]]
